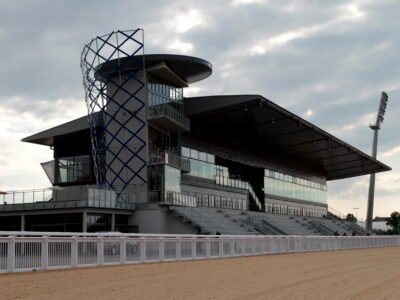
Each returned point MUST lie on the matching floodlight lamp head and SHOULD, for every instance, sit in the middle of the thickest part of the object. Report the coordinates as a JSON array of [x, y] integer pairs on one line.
[[382, 109]]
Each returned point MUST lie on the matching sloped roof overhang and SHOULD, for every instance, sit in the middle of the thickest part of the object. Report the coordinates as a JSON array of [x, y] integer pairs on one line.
[[257, 121]]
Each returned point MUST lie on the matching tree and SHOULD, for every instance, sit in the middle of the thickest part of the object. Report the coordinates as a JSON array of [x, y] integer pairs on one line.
[[394, 222], [351, 218]]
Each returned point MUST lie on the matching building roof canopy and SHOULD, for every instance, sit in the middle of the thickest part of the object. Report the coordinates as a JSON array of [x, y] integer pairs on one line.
[[262, 124], [258, 122]]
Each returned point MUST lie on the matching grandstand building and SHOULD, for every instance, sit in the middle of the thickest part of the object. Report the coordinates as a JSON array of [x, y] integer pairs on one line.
[[228, 164]]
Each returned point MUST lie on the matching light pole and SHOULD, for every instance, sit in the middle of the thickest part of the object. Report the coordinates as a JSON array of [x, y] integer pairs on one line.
[[375, 127]]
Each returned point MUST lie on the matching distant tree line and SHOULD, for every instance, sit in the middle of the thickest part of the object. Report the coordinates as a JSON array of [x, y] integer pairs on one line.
[[393, 222]]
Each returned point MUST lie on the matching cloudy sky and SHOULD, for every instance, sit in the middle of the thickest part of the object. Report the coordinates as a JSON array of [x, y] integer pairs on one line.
[[327, 61]]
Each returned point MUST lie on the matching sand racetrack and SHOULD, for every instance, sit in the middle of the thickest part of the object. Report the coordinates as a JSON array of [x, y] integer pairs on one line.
[[350, 274]]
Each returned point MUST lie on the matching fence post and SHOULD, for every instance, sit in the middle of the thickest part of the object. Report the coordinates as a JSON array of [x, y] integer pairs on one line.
[[208, 248], [45, 252], [221, 247], [194, 254], [178, 248], [74, 252], [100, 250], [122, 250], [161, 247], [11, 254], [142, 249]]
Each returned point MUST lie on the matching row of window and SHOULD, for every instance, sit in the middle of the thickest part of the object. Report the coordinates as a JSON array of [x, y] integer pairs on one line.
[[202, 169], [165, 90], [202, 164], [291, 190], [205, 200], [208, 200], [280, 209], [73, 169], [198, 155], [294, 179]]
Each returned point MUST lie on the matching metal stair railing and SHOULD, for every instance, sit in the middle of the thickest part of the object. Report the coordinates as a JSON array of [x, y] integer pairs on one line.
[[239, 184], [322, 228]]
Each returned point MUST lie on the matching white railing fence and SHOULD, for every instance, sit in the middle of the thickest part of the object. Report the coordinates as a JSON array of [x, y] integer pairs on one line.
[[27, 251]]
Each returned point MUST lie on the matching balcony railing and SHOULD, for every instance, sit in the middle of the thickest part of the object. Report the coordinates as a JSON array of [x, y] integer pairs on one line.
[[166, 115], [167, 112], [169, 158], [83, 196], [239, 184], [205, 200], [179, 199]]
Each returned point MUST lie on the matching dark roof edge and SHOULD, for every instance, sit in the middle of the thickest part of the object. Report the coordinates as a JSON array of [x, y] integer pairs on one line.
[[247, 98], [46, 137]]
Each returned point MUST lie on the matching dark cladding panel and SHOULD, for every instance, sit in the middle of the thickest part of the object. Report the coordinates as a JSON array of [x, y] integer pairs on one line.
[[73, 144]]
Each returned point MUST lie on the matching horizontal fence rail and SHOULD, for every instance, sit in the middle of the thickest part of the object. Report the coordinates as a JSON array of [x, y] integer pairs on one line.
[[27, 251]]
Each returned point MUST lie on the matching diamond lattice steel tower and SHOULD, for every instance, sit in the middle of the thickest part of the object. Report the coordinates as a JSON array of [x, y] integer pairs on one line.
[[115, 92]]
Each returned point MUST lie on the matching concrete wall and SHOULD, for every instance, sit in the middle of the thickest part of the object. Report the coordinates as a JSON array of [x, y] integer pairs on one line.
[[124, 116], [159, 220]]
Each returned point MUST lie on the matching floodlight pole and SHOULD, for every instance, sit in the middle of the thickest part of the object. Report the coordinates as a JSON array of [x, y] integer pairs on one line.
[[371, 191]]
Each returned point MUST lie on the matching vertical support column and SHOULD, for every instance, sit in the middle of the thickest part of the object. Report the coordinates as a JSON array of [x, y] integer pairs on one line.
[[371, 190], [22, 222], [84, 221], [113, 222]]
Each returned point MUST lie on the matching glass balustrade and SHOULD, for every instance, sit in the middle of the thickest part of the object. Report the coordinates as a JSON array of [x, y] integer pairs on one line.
[[287, 186]]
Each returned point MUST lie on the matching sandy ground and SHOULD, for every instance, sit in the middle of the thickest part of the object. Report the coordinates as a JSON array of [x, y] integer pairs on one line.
[[351, 274]]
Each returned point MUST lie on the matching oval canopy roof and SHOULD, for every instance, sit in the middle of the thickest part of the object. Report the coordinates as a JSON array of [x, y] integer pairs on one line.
[[189, 69]]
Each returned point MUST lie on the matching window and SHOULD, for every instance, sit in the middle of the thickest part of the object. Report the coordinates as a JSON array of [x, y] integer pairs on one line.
[[172, 179], [194, 154], [74, 169], [185, 152], [288, 186], [210, 158], [203, 156]]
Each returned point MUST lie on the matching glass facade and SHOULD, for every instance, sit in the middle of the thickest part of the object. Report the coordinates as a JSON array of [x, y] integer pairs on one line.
[[73, 169], [172, 179], [202, 164], [160, 92], [288, 186]]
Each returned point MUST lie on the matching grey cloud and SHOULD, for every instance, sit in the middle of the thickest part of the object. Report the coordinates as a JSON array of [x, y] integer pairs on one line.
[[337, 71]]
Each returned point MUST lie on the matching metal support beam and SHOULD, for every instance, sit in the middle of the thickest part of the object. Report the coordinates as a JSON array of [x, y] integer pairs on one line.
[[84, 221], [375, 128], [112, 222], [22, 222], [371, 191]]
